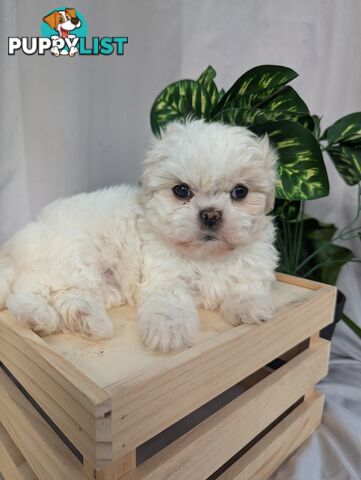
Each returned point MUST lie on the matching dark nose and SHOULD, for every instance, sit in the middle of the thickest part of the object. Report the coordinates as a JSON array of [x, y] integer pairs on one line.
[[210, 217], [75, 21]]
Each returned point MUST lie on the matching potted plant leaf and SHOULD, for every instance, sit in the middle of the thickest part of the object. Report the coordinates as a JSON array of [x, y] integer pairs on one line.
[[263, 101]]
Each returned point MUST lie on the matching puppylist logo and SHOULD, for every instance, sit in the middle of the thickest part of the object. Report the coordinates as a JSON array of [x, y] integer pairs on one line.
[[64, 33]]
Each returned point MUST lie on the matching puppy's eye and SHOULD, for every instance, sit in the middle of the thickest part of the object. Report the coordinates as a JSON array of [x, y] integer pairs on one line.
[[61, 20], [239, 192], [182, 191]]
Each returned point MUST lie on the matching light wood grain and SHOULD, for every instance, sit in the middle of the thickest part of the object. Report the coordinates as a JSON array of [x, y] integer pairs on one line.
[[110, 361], [298, 281], [208, 446], [108, 404], [272, 450], [76, 404], [42, 449], [160, 396], [114, 471], [13, 466]]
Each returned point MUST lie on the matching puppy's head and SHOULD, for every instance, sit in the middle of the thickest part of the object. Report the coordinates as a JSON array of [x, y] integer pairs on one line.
[[208, 187], [63, 21]]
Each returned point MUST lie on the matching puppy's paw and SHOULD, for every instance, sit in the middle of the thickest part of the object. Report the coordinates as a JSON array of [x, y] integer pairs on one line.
[[251, 309], [84, 316], [31, 310], [166, 325]]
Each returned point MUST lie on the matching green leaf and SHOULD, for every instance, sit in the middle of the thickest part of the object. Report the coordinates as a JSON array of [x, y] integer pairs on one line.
[[221, 93], [256, 85], [286, 209], [284, 105], [248, 117], [286, 100], [207, 81], [302, 173], [346, 130], [317, 126], [347, 160], [178, 101]]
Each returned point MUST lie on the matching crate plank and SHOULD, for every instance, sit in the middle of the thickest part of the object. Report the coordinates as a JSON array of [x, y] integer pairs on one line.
[[271, 451], [12, 464], [76, 404], [114, 471], [208, 446], [110, 361], [160, 396], [109, 397], [42, 449]]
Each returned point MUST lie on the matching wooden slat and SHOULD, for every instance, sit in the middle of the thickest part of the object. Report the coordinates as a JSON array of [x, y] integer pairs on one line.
[[160, 396], [77, 405], [13, 465], [208, 446], [299, 281], [43, 450], [270, 452], [114, 471]]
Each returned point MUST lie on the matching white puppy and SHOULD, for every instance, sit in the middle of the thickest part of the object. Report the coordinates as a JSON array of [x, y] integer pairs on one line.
[[194, 234]]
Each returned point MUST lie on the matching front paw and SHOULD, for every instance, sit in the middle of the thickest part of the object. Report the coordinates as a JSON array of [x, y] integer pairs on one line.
[[237, 309], [165, 324]]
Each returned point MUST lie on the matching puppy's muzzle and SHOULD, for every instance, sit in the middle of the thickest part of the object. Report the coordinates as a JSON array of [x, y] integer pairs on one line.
[[75, 21], [210, 217]]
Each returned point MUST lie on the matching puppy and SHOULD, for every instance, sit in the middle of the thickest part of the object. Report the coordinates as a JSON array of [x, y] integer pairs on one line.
[[194, 234], [63, 21]]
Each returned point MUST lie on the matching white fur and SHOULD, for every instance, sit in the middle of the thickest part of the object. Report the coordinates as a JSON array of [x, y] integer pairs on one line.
[[143, 246]]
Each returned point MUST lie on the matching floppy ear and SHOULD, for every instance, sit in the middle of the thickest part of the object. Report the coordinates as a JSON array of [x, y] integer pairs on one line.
[[50, 19], [71, 12], [270, 201], [270, 159]]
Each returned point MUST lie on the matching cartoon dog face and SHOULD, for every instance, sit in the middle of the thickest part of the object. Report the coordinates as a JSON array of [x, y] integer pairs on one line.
[[63, 21]]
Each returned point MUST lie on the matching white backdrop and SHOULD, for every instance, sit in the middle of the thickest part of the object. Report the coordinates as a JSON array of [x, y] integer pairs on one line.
[[74, 124]]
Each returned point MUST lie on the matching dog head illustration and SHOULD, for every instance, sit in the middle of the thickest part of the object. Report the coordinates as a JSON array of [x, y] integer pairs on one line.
[[63, 21]]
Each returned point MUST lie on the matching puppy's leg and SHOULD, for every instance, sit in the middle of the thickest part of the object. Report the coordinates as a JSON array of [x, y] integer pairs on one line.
[[32, 309], [83, 314], [167, 319], [242, 306]]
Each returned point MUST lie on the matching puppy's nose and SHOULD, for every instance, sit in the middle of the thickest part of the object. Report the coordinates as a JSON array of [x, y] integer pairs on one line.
[[210, 217], [75, 21]]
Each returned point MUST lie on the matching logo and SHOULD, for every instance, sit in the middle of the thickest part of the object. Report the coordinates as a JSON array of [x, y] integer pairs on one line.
[[64, 33]]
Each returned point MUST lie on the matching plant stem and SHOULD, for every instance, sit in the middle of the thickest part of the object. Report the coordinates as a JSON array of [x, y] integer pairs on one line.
[[299, 232], [328, 262], [351, 324], [345, 234]]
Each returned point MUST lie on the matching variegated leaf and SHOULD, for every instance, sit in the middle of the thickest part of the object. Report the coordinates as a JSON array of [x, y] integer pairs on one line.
[[347, 160], [258, 84], [207, 81], [249, 117], [302, 173], [346, 130], [178, 101], [286, 209], [284, 105], [286, 99]]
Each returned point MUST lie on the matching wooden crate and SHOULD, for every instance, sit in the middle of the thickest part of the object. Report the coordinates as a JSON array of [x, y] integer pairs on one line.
[[233, 406]]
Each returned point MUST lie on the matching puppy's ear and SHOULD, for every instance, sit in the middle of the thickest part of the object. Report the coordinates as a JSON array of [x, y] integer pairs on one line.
[[51, 19], [270, 163], [71, 12]]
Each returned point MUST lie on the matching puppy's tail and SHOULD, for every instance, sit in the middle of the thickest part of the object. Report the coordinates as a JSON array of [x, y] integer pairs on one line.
[[7, 274]]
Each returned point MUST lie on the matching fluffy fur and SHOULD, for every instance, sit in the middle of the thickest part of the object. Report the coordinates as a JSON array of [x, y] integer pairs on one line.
[[146, 247]]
